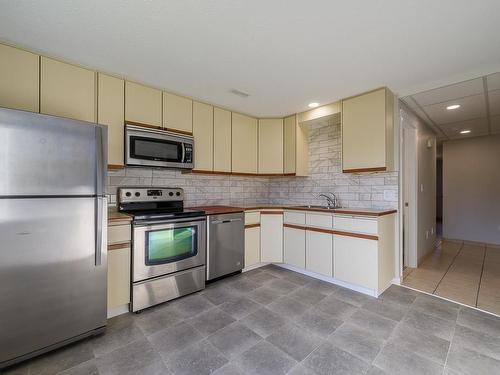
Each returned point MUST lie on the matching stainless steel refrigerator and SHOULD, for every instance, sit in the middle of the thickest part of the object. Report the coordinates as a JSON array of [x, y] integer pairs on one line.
[[53, 220]]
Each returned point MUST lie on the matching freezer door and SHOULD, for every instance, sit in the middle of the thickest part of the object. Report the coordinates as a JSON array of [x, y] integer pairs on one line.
[[47, 155], [50, 285]]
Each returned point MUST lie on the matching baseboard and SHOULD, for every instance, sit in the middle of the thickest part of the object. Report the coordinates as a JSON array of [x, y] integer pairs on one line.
[[118, 310], [330, 280], [254, 266]]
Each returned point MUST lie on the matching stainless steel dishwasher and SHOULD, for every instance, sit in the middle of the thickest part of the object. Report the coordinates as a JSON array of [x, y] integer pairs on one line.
[[226, 244]]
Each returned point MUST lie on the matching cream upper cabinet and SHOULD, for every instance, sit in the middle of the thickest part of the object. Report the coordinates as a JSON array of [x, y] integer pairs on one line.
[[203, 132], [368, 132], [271, 237], [222, 140], [110, 112], [19, 79], [143, 104], [270, 146], [244, 144], [289, 144], [67, 90], [177, 113]]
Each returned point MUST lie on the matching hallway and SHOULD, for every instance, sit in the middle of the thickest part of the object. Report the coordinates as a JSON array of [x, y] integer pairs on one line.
[[464, 272]]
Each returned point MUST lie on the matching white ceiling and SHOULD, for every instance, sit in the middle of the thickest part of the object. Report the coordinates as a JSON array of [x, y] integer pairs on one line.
[[283, 53], [479, 111]]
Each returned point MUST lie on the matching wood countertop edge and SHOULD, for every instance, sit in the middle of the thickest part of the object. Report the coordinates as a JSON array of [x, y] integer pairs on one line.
[[315, 209]]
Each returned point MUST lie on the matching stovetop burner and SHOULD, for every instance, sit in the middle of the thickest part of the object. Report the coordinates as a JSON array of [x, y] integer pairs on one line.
[[156, 203]]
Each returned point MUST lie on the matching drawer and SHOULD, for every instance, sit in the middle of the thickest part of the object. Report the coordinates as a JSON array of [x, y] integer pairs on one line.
[[252, 217], [119, 233], [319, 220], [292, 217], [355, 224]]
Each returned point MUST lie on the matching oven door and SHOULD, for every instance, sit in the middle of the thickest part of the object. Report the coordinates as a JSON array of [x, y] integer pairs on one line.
[[146, 147], [167, 247]]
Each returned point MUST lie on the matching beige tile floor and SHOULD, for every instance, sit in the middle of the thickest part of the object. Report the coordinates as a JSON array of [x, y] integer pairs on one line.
[[464, 272]]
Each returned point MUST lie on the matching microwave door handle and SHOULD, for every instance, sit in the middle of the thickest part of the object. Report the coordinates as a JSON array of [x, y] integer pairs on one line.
[[183, 152]]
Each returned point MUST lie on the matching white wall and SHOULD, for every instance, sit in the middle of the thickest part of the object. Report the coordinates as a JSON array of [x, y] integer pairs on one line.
[[426, 184], [471, 189]]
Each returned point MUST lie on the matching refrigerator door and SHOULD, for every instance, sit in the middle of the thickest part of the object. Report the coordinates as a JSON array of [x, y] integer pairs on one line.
[[51, 288], [50, 156]]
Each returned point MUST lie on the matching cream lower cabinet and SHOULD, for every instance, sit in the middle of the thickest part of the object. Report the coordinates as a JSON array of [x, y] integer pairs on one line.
[[355, 260], [19, 79], [294, 247], [319, 252], [252, 246], [119, 237], [271, 237]]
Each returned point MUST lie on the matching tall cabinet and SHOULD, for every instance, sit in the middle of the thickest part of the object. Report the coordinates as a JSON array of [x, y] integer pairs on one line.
[[222, 140], [244, 144], [270, 146], [203, 132]]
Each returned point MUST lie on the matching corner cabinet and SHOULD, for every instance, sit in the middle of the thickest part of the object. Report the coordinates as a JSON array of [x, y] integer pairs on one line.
[[110, 112], [67, 90], [270, 146], [19, 79], [368, 132], [244, 144]]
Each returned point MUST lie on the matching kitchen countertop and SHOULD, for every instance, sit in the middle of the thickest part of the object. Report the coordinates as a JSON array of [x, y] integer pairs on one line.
[[213, 210], [114, 216]]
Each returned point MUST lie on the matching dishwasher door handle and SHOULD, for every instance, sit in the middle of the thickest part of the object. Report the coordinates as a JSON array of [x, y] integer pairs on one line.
[[225, 221]]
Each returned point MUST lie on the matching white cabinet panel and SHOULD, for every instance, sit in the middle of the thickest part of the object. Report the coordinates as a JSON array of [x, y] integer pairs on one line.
[[294, 247], [319, 253], [355, 224], [252, 218], [292, 217], [356, 261], [252, 246], [118, 277], [119, 234], [319, 220], [271, 238]]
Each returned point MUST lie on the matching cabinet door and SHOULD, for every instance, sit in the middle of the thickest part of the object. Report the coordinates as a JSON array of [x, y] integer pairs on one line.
[[244, 144], [271, 238], [271, 146], [294, 247], [110, 112], [319, 253], [252, 246], [142, 104], [356, 260], [67, 90], [19, 79], [177, 113], [289, 139], [118, 277], [222, 140], [364, 132], [203, 132]]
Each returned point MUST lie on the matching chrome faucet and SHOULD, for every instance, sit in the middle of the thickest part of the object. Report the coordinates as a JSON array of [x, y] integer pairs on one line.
[[332, 201]]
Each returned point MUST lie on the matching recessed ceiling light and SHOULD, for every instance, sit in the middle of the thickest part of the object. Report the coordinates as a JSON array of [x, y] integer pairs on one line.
[[313, 105], [465, 132], [452, 107]]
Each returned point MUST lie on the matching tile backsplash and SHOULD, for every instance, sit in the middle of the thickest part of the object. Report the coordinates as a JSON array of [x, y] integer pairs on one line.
[[376, 190]]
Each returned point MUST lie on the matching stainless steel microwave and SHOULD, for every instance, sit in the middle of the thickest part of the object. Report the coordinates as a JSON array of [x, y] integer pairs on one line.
[[157, 148]]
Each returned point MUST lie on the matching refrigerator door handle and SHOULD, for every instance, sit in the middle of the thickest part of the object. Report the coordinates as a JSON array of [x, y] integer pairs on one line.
[[100, 229]]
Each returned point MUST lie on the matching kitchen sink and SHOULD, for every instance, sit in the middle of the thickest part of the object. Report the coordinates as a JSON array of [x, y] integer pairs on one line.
[[313, 206]]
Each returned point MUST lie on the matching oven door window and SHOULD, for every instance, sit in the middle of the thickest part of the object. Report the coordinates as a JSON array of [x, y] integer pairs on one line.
[[171, 245], [155, 149]]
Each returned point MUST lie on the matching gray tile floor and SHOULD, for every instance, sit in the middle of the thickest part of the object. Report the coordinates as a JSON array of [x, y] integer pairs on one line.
[[274, 321]]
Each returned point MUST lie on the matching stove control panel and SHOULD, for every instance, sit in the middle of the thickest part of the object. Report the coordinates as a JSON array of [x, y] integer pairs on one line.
[[145, 194]]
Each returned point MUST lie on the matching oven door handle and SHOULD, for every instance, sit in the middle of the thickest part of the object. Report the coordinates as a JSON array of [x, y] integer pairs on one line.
[[145, 223]]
